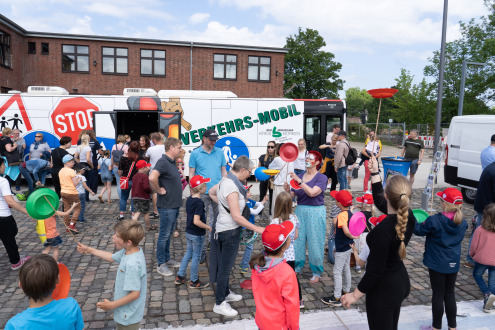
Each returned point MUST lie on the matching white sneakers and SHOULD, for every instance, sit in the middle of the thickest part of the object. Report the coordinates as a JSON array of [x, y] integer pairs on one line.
[[233, 297], [225, 309], [172, 263], [164, 270]]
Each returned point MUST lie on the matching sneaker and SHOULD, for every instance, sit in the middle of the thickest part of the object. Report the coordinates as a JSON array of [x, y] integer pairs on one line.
[[244, 270], [358, 270], [172, 263], [20, 263], [488, 303], [163, 270], [344, 292], [332, 301], [233, 297], [198, 284], [225, 309], [154, 216], [180, 280], [468, 265], [17, 188], [301, 304], [73, 229], [120, 217], [83, 220]]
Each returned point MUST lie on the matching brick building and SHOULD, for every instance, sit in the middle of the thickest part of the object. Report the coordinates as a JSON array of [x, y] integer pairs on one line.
[[85, 64]]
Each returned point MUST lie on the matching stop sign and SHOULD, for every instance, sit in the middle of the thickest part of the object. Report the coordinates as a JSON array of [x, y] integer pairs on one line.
[[71, 116]]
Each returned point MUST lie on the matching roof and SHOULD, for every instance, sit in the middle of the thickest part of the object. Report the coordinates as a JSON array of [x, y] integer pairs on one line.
[[4, 20]]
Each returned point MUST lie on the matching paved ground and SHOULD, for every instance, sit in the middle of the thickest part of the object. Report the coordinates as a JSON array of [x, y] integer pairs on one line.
[[167, 305]]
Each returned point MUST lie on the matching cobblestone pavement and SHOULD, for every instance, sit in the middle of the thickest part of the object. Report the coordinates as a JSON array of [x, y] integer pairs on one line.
[[167, 305]]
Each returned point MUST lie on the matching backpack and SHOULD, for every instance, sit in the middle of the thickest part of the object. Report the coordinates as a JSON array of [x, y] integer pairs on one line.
[[117, 154], [352, 155]]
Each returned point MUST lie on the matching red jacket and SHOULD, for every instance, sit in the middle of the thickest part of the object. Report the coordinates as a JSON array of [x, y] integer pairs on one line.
[[276, 297]]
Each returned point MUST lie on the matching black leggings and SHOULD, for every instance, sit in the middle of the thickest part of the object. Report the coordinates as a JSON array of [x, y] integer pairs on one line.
[[8, 231], [331, 174], [381, 315], [442, 286], [293, 265]]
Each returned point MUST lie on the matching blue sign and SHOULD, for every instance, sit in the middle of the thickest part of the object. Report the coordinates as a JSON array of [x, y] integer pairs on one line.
[[232, 148]]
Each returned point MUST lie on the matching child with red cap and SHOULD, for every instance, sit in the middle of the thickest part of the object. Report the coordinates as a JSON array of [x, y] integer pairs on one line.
[[444, 233], [343, 241], [141, 193], [275, 288]]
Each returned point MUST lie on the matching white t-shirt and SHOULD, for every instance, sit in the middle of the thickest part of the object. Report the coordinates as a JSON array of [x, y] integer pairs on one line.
[[300, 162], [80, 187], [82, 151], [224, 220], [329, 137], [4, 191], [369, 147], [155, 153], [283, 176]]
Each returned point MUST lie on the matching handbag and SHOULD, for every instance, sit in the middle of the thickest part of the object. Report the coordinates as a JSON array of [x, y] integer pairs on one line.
[[124, 180]]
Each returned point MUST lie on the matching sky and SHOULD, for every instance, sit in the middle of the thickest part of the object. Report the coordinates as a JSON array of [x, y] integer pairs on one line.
[[372, 39]]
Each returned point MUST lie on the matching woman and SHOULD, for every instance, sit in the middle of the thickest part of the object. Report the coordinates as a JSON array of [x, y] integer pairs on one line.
[[8, 226], [144, 144], [57, 155], [328, 166], [118, 151], [371, 148], [231, 196], [310, 211], [127, 139], [386, 282], [83, 153], [299, 163], [126, 164], [7, 147], [38, 146], [282, 177], [264, 161]]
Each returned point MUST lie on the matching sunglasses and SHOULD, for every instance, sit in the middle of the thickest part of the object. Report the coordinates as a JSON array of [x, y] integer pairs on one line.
[[270, 147], [38, 136]]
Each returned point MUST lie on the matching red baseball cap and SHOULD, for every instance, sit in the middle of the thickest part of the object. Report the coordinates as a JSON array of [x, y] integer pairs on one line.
[[343, 197], [275, 235], [198, 180], [450, 195], [141, 164], [365, 199], [377, 220]]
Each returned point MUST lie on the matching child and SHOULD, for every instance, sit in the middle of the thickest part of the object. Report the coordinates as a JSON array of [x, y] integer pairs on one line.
[[195, 233], [130, 282], [444, 233], [482, 247], [70, 195], [362, 257], [334, 212], [349, 175], [343, 239], [38, 278], [366, 206], [53, 239], [81, 188], [283, 212], [255, 208], [105, 167], [274, 282], [141, 193]]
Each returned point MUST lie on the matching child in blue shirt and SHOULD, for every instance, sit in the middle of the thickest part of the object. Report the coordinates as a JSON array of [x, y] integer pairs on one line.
[[130, 282], [38, 278]]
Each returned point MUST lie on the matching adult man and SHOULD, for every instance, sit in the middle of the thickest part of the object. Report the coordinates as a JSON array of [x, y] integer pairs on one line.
[[154, 153], [92, 174], [487, 155], [165, 180], [336, 129], [413, 149], [341, 153], [21, 146], [485, 195], [209, 162], [38, 146]]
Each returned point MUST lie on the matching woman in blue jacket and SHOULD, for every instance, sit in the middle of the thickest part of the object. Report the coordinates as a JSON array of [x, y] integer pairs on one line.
[[444, 233]]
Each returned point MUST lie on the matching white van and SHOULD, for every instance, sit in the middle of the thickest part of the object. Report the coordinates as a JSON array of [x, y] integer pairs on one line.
[[468, 136]]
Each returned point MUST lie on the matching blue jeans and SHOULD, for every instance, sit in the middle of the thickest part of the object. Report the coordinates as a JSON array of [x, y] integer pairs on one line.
[[117, 178], [331, 250], [478, 271], [25, 173], [342, 177], [41, 175], [194, 244], [82, 200], [124, 196], [247, 256], [168, 217], [479, 217], [229, 246]]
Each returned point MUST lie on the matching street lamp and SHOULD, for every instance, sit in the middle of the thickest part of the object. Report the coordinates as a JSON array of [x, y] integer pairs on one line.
[[463, 82]]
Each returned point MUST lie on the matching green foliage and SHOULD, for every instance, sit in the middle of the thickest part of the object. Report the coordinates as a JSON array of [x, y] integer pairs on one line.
[[356, 100], [309, 71]]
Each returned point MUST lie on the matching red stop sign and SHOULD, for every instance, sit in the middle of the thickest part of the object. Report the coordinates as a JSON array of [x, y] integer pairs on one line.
[[73, 115]]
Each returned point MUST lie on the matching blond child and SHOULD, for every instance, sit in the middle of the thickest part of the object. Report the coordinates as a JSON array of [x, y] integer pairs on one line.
[[53, 239], [105, 167], [81, 188], [130, 282]]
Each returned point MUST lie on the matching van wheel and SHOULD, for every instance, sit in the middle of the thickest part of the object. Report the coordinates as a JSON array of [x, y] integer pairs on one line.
[[469, 195]]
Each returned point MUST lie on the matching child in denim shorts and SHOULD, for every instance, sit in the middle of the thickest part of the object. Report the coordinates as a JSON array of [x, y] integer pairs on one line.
[[53, 239]]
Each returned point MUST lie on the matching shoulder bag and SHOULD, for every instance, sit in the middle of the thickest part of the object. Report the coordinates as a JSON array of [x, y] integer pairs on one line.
[[124, 180]]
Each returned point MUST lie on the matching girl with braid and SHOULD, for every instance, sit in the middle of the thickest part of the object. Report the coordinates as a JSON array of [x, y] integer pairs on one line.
[[386, 282]]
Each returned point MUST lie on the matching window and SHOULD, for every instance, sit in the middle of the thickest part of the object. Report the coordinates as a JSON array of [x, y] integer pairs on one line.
[[152, 62], [45, 50], [4, 49], [75, 58], [259, 68], [225, 66], [31, 47], [114, 60]]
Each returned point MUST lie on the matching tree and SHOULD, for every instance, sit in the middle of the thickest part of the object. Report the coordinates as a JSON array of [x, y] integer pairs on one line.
[[356, 100], [309, 71]]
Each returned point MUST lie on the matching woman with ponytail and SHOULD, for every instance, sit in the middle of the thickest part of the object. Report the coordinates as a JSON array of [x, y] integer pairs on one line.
[[386, 282], [444, 233]]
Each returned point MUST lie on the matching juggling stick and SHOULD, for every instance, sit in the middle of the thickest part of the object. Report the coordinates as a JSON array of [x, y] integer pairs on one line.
[[67, 227], [345, 325]]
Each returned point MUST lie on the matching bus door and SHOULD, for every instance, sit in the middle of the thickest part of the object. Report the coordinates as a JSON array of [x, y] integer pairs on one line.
[[319, 118]]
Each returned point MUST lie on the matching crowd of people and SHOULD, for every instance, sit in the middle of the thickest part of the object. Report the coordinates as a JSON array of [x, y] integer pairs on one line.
[[221, 213]]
